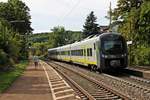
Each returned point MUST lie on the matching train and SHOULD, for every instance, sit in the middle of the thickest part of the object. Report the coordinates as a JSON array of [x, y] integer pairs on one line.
[[104, 52]]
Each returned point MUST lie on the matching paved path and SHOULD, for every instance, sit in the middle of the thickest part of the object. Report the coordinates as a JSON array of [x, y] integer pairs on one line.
[[32, 85]]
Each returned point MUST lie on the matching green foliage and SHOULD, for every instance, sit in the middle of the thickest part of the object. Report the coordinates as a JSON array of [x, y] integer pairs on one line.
[[9, 45], [144, 22], [90, 26], [60, 37], [73, 36], [15, 11], [134, 25], [16, 15], [39, 48], [40, 37], [141, 56], [39, 43]]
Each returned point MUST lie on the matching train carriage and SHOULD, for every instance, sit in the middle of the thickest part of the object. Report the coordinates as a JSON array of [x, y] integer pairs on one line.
[[103, 52]]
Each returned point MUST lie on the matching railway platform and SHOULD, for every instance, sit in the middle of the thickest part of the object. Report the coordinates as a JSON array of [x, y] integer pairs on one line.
[[43, 83], [139, 71]]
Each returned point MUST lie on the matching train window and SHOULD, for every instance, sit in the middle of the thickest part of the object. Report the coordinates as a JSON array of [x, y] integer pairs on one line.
[[72, 52], [77, 52], [81, 52], [94, 46], [89, 52], [68, 53], [84, 52]]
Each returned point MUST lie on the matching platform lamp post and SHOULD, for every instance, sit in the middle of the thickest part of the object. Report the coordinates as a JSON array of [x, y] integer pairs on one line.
[[17, 21]]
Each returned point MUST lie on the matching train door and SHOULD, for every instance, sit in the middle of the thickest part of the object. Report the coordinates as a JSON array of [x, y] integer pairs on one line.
[[69, 53], [98, 53], [89, 52], [84, 54]]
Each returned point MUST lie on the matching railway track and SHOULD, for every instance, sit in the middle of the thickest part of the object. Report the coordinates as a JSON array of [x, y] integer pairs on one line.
[[84, 95], [123, 74], [96, 89], [140, 80], [127, 87], [141, 68], [137, 80], [59, 88]]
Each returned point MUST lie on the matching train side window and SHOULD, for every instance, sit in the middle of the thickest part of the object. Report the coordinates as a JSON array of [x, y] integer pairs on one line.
[[81, 52], [90, 51], [68, 53], [94, 46], [84, 52]]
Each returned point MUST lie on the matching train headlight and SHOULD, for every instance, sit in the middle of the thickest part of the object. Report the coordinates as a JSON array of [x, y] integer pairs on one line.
[[104, 56], [123, 55]]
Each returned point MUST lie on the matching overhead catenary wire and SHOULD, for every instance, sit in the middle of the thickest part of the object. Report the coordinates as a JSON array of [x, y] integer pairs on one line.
[[71, 10]]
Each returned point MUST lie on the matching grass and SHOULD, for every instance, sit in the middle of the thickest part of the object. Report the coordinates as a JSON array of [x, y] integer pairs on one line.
[[7, 78]]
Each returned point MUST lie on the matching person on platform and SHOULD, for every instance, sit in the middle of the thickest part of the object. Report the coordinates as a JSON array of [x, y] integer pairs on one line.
[[36, 61]]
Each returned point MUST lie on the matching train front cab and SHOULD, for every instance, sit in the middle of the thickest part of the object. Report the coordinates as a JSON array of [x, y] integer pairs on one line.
[[113, 52]]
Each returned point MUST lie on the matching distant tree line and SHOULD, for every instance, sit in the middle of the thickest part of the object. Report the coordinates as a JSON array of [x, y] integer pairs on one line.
[[58, 37], [38, 43]]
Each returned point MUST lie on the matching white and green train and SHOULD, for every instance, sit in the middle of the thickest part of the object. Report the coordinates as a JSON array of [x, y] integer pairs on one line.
[[103, 52]]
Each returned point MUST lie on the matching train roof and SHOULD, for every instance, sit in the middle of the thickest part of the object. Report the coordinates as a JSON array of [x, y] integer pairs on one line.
[[105, 34], [94, 38], [89, 39]]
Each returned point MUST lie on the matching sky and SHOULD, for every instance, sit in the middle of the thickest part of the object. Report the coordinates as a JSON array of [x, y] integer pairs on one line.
[[46, 14]]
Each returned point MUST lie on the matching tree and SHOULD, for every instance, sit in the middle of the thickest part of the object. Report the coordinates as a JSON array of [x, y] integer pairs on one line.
[[90, 26], [60, 37], [9, 45], [73, 36], [134, 21], [57, 36], [17, 11], [144, 22], [124, 7]]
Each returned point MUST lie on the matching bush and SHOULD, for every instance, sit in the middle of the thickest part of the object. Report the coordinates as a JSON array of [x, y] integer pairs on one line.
[[141, 56], [5, 62]]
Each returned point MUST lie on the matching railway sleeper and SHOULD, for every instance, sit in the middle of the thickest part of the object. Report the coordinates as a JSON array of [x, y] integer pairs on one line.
[[65, 92], [66, 97], [59, 85], [109, 94], [61, 88], [58, 82], [107, 98]]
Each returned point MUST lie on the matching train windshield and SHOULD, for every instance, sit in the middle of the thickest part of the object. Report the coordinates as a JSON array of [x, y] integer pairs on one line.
[[113, 45]]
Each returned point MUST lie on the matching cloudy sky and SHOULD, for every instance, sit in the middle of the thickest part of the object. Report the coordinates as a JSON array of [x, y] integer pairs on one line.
[[68, 13]]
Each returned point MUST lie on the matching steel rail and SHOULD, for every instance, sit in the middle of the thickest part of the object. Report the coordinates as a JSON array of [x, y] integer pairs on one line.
[[97, 82], [90, 97]]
